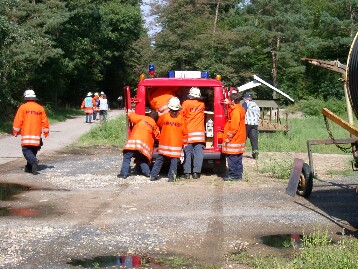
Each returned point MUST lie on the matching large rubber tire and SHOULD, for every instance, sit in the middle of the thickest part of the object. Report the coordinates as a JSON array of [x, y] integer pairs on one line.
[[220, 169], [305, 184]]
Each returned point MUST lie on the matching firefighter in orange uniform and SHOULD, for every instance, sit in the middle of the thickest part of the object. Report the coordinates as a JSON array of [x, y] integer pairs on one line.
[[194, 114], [158, 99], [173, 137], [235, 138], [88, 104], [140, 143], [96, 98], [31, 121]]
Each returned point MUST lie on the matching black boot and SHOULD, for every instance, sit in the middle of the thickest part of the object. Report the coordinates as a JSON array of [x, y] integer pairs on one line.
[[28, 168], [196, 175], [35, 168]]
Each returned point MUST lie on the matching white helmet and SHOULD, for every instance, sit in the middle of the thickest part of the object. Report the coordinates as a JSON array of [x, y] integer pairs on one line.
[[89, 94], [195, 92], [96, 94], [174, 103], [30, 95]]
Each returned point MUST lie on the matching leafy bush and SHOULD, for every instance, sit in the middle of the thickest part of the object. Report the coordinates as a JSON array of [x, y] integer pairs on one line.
[[313, 106]]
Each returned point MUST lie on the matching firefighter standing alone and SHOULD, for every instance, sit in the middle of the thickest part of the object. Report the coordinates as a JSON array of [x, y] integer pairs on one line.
[[31, 121]]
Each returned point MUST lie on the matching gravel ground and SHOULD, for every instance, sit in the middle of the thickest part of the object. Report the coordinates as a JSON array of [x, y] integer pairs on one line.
[[85, 211]]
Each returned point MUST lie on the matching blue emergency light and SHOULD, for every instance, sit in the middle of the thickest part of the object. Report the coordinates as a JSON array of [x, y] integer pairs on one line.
[[151, 70], [171, 74], [205, 74]]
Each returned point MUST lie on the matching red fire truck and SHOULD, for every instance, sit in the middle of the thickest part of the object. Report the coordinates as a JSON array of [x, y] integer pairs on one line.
[[179, 83]]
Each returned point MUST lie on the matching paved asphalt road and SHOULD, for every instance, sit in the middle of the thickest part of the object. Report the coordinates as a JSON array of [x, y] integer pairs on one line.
[[62, 134]]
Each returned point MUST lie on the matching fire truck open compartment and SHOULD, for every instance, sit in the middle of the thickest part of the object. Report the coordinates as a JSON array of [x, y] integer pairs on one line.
[[213, 95]]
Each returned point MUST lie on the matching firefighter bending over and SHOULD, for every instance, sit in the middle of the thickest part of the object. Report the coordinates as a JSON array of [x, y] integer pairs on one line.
[[194, 114], [31, 120], [158, 98], [173, 136], [140, 143]]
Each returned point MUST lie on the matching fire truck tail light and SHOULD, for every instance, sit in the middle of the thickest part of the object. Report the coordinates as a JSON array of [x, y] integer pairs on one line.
[[220, 138]]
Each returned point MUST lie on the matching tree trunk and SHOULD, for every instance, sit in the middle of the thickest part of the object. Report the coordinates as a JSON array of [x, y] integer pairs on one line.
[[274, 50]]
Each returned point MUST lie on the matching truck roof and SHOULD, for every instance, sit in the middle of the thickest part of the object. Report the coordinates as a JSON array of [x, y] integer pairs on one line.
[[181, 82]]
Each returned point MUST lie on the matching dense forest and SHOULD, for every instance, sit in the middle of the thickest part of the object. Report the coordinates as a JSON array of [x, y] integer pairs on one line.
[[63, 49]]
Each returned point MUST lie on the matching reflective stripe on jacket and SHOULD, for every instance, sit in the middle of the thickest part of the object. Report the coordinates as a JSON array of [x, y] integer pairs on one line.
[[235, 131], [194, 114], [144, 132], [173, 135], [31, 120]]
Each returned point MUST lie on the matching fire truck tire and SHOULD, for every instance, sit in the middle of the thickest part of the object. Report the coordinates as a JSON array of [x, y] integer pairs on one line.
[[305, 184], [220, 169]]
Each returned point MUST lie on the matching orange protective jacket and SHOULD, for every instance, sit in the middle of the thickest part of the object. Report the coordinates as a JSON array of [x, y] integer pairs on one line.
[[158, 98], [144, 132], [235, 131], [193, 111], [88, 109], [31, 120], [173, 135]]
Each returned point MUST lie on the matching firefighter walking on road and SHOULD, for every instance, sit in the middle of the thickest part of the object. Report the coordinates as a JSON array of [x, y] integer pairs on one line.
[[173, 136], [194, 114], [235, 139], [140, 143], [88, 104], [31, 121]]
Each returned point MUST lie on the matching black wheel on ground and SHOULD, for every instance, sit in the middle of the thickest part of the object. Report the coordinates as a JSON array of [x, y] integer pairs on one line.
[[220, 169], [305, 184]]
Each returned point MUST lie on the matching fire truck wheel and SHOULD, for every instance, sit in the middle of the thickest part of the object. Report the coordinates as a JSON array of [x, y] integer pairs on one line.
[[220, 169], [305, 184]]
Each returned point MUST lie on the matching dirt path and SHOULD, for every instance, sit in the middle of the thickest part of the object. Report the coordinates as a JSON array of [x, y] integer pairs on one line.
[[62, 134], [78, 210]]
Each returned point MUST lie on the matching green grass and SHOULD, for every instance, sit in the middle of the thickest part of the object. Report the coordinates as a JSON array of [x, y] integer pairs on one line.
[[61, 114], [54, 115], [317, 252], [280, 169], [112, 132], [301, 130]]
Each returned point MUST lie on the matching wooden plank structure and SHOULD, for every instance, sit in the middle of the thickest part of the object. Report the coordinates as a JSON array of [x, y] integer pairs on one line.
[[270, 118]]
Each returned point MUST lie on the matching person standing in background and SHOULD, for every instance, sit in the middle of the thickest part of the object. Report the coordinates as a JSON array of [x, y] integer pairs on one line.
[[103, 108], [120, 102], [31, 121], [88, 104], [96, 107], [252, 117], [194, 114]]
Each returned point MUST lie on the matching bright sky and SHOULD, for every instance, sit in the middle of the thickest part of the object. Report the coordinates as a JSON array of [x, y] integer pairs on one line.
[[149, 20]]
